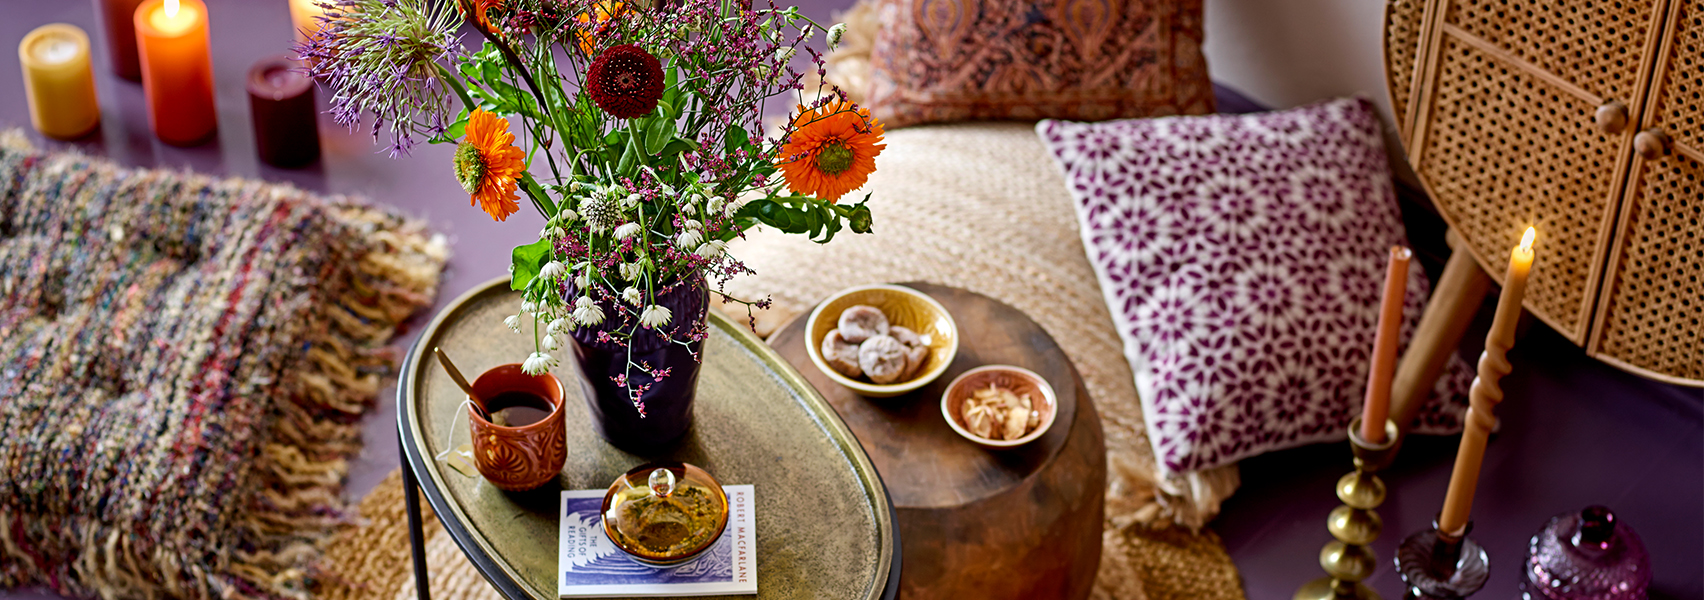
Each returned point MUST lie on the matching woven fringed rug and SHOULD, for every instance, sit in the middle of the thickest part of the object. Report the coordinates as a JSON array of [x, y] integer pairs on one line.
[[183, 365]]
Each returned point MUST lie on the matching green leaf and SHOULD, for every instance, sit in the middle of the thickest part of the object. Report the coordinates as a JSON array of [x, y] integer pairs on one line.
[[629, 157], [813, 219], [676, 147], [538, 194], [527, 261], [658, 136], [735, 139]]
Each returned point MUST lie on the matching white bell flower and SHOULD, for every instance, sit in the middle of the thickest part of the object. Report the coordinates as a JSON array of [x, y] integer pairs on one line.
[[711, 249], [537, 364], [689, 239], [631, 271], [632, 295], [553, 270], [834, 35], [654, 316], [627, 230], [587, 312]]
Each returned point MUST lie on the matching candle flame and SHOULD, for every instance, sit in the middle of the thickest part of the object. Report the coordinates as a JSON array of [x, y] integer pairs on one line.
[[1526, 239], [171, 9]]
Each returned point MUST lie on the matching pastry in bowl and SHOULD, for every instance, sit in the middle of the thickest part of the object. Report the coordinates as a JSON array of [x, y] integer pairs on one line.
[[881, 340]]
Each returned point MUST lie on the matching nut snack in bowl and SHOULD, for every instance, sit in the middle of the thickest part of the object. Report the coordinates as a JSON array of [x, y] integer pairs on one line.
[[881, 340], [999, 406]]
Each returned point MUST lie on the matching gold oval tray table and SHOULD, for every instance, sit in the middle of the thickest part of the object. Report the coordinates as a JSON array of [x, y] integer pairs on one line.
[[825, 523]]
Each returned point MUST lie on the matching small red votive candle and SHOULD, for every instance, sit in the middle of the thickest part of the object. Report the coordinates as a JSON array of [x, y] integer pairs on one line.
[[281, 104], [118, 18]]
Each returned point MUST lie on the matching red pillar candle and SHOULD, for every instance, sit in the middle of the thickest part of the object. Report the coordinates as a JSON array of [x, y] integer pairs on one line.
[[177, 70], [118, 18], [281, 102]]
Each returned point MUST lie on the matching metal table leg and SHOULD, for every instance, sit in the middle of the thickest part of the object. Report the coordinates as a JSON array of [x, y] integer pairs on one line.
[[416, 535]]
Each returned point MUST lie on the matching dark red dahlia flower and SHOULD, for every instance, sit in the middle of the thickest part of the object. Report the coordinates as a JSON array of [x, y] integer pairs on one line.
[[625, 81]]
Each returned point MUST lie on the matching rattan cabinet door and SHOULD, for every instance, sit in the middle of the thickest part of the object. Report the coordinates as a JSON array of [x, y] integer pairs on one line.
[[1653, 299], [1505, 136]]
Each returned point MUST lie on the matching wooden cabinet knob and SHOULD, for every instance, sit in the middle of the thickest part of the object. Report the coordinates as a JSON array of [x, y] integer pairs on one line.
[[1651, 143], [1612, 118]]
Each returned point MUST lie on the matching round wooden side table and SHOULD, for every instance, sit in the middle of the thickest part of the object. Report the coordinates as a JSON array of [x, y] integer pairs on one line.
[[974, 522]]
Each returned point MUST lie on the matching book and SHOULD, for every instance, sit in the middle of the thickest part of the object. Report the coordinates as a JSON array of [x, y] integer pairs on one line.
[[592, 567]]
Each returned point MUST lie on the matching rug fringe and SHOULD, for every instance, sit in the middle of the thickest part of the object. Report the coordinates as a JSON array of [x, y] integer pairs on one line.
[[302, 472]]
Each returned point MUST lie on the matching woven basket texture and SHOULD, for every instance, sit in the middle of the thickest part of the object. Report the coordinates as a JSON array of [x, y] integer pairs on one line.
[[1498, 102], [1653, 313], [371, 560], [185, 362]]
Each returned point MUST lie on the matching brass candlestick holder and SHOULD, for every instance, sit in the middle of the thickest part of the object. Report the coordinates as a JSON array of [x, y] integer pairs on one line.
[[1347, 560]]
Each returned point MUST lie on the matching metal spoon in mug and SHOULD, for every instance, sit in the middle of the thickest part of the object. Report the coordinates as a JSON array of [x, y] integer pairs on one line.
[[455, 374]]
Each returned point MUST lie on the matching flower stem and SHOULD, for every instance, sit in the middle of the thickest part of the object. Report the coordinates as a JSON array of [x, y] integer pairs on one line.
[[456, 84]]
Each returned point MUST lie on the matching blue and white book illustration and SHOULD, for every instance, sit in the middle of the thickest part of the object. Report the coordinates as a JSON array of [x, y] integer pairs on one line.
[[592, 567]]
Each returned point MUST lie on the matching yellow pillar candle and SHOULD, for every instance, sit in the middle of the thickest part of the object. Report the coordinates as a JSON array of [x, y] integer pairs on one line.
[[58, 82], [304, 14], [1485, 394]]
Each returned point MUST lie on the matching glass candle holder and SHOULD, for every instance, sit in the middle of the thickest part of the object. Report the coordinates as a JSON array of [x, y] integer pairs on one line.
[[1586, 555]]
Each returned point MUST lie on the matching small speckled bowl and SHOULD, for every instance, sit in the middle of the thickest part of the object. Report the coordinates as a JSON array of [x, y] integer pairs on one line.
[[903, 306], [1021, 381]]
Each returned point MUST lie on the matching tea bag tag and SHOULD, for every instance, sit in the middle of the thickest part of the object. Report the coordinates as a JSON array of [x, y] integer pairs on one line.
[[461, 459]]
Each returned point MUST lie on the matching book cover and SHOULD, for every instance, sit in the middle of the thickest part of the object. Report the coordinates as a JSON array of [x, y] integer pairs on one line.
[[592, 567]]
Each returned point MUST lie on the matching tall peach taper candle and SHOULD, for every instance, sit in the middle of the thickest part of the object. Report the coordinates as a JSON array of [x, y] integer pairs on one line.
[[58, 81], [1376, 410], [177, 70], [1485, 394]]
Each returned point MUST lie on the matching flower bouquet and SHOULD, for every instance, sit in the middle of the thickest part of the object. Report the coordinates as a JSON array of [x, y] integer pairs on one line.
[[635, 130]]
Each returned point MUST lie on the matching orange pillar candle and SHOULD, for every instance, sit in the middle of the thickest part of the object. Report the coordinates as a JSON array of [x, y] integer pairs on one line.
[[58, 81], [304, 14], [1377, 407], [177, 70], [1485, 394]]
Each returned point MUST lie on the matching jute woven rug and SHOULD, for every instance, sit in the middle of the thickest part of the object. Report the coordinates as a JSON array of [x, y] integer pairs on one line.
[[184, 362], [371, 561]]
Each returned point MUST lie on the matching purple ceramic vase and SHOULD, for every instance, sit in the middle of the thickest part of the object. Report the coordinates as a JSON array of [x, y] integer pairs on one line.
[[1588, 555], [609, 369]]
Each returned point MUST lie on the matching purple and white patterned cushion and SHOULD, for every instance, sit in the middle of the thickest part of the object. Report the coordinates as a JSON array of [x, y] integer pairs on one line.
[[1242, 258]]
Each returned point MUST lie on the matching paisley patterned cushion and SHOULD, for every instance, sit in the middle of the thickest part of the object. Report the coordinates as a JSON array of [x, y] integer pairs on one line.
[[958, 60], [1242, 258]]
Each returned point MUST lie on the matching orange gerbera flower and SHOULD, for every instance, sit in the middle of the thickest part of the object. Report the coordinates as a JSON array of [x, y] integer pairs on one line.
[[601, 12], [832, 150], [488, 165]]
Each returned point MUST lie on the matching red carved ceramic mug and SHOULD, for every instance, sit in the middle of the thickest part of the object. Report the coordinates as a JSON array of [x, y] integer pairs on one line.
[[527, 456]]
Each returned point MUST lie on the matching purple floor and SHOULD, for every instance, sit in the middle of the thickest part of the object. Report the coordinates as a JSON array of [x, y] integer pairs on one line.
[[1574, 430]]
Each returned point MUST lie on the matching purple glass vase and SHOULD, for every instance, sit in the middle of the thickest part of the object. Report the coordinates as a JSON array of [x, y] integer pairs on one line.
[[609, 369], [1588, 555]]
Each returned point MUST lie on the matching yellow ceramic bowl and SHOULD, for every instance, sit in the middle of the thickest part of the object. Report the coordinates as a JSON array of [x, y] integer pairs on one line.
[[903, 306]]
